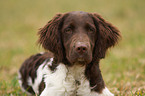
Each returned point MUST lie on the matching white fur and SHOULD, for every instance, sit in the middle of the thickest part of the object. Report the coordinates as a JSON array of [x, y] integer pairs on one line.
[[77, 73], [42, 53], [38, 79], [62, 82], [106, 92], [54, 82], [42, 69]]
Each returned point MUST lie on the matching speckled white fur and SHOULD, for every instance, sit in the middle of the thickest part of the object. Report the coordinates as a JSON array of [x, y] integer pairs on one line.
[[62, 82], [40, 73]]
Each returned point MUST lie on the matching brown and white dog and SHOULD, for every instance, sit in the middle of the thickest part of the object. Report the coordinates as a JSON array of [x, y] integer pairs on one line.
[[78, 40]]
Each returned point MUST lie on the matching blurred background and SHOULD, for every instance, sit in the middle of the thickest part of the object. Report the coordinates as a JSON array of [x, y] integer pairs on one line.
[[123, 68]]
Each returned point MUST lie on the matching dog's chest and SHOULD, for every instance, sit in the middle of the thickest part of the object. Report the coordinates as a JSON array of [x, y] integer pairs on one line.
[[76, 72], [67, 81], [76, 82]]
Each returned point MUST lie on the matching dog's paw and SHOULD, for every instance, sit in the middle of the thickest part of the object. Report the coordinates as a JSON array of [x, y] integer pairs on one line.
[[106, 92]]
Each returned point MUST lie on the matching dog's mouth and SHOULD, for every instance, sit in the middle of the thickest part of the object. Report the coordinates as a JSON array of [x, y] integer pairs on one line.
[[80, 59]]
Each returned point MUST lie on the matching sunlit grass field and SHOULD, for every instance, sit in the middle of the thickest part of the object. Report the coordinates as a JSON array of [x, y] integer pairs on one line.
[[123, 68]]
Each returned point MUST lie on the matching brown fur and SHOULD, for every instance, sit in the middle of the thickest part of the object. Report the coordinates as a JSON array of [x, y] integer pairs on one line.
[[50, 38], [29, 67], [106, 36]]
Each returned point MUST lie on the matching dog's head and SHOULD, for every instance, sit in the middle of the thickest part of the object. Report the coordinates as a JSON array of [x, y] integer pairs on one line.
[[78, 37]]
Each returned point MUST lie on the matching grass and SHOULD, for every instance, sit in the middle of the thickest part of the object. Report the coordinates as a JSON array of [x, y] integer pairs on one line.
[[123, 68]]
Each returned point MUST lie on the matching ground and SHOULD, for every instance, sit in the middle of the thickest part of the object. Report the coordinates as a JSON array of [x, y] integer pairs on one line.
[[123, 68]]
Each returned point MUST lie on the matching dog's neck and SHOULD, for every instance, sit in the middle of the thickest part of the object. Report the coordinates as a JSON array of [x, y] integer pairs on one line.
[[77, 71]]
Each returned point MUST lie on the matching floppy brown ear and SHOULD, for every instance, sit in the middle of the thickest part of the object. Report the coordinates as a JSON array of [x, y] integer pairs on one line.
[[107, 36], [49, 36]]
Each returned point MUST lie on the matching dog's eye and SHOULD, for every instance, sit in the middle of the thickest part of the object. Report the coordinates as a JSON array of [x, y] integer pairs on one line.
[[91, 30], [68, 30]]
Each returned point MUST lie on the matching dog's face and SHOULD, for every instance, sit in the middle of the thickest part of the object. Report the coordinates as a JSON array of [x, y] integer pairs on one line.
[[78, 36]]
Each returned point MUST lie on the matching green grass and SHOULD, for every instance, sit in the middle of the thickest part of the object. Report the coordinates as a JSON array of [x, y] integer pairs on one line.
[[123, 68]]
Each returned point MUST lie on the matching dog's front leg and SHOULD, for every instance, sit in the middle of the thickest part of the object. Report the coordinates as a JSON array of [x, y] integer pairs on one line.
[[54, 82], [97, 85]]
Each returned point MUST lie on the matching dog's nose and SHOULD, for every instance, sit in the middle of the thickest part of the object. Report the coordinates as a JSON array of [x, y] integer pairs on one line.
[[81, 48]]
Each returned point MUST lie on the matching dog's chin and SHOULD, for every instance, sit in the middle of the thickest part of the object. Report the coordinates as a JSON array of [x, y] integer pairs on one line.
[[79, 61]]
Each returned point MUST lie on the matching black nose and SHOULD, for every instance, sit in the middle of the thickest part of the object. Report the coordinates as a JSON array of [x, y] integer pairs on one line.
[[81, 48]]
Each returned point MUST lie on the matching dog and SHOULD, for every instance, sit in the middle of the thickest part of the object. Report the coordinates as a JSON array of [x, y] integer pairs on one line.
[[78, 41]]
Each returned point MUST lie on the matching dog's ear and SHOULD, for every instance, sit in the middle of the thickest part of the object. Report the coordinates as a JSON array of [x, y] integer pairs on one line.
[[107, 35], [49, 36]]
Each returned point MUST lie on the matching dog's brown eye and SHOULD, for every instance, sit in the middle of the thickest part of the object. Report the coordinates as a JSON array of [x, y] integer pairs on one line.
[[68, 30], [91, 30]]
